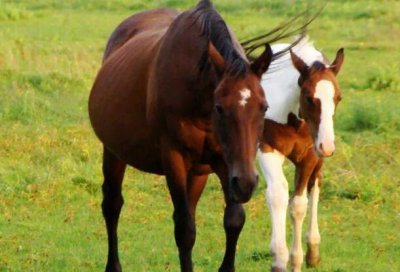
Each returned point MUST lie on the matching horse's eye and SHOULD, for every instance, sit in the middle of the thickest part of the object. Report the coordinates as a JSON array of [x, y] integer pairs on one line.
[[219, 109], [310, 100]]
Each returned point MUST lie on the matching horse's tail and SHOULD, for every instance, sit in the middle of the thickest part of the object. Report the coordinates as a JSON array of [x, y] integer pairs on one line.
[[290, 28]]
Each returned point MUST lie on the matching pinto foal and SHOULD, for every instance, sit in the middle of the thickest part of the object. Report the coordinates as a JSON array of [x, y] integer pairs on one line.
[[299, 126]]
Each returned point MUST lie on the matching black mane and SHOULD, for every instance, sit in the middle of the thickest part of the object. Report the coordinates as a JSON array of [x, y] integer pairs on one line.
[[213, 26]]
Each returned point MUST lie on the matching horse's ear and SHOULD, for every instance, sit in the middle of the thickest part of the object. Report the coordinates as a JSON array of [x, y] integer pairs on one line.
[[299, 64], [216, 58], [337, 63], [260, 65]]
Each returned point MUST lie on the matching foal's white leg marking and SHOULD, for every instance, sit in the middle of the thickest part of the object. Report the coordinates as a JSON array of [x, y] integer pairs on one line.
[[325, 91], [277, 201], [245, 94], [298, 210], [313, 236]]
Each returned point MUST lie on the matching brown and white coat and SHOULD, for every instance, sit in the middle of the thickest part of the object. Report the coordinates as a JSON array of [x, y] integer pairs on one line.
[[302, 94]]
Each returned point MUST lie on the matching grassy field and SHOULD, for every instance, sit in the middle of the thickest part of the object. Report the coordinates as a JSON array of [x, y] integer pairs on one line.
[[50, 167]]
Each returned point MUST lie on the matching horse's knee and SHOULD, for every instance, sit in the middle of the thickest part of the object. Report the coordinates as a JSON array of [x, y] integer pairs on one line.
[[234, 217], [112, 201], [185, 229]]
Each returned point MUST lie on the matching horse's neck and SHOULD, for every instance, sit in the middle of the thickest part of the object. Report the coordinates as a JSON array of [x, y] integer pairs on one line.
[[281, 82]]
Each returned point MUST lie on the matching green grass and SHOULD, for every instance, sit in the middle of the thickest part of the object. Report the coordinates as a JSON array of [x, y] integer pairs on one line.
[[50, 166]]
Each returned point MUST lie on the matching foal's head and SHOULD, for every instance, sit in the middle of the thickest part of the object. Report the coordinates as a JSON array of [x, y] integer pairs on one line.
[[320, 94], [238, 117]]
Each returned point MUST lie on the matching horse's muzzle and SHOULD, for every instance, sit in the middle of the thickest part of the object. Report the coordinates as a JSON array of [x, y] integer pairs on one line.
[[241, 188]]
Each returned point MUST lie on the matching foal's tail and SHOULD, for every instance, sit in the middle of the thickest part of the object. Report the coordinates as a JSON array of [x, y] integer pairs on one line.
[[290, 28]]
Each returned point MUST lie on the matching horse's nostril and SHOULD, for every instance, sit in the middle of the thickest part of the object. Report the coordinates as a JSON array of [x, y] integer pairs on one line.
[[235, 182]]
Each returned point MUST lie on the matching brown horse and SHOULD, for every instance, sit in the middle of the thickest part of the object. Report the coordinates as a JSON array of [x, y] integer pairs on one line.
[[177, 97]]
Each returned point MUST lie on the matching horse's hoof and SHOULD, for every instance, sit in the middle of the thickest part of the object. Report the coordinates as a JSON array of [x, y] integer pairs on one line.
[[312, 257], [114, 268], [226, 269], [278, 269]]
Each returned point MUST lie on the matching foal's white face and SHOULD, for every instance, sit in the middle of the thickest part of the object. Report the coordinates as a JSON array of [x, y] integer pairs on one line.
[[319, 97], [325, 141]]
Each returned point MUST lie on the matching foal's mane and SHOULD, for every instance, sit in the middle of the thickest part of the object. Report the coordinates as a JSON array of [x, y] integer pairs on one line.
[[318, 66], [215, 29]]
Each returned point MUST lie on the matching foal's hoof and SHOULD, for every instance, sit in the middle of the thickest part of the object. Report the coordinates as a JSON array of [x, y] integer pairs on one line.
[[312, 257], [278, 269]]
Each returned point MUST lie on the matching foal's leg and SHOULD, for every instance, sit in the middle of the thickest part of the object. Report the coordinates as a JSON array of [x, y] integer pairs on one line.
[[298, 210], [113, 171], [185, 231], [277, 197], [313, 237]]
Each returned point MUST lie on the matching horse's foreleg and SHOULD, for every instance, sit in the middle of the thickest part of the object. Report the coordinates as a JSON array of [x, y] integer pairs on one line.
[[234, 218], [195, 187], [277, 197], [113, 171], [313, 237], [185, 232]]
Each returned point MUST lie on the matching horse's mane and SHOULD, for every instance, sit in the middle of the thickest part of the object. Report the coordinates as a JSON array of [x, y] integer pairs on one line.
[[215, 29]]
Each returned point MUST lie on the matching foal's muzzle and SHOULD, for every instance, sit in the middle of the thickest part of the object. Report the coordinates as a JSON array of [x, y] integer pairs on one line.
[[325, 150], [241, 188]]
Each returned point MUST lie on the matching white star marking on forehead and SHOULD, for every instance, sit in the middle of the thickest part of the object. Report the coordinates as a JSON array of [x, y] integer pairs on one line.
[[245, 95]]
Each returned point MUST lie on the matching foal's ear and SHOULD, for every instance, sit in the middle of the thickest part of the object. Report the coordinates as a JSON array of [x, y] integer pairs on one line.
[[260, 65], [299, 64], [216, 59], [337, 63]]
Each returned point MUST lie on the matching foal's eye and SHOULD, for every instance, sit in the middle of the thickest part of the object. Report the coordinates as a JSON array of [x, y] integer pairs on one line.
[[264, 108], [219, 109]]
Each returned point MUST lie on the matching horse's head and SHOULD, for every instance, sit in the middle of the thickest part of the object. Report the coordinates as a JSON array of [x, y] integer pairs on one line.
[[238, 118], [320, 94]]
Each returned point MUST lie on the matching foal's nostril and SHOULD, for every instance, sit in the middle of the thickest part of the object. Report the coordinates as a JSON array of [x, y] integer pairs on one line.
[[326, 153]]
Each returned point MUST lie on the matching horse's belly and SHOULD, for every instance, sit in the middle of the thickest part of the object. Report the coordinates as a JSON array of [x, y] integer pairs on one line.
[[143, 155]]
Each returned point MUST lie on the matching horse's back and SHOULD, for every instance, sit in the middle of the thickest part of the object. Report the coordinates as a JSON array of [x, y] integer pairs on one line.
[[117, 103], [137, 23]]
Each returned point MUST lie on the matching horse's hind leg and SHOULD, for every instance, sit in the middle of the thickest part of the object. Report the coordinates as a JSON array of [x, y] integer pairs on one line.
[[313, 237], [113, 171]]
